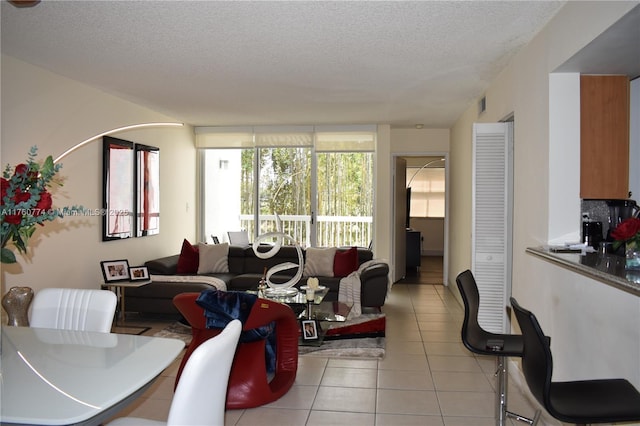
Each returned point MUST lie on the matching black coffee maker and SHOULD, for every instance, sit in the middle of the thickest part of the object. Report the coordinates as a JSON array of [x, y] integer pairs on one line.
[[592, 233]]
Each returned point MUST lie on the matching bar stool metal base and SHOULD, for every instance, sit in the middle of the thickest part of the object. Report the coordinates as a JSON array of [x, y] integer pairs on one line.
[[501, 397]]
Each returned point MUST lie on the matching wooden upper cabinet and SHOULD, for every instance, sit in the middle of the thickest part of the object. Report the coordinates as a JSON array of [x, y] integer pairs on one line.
[[604, 134]]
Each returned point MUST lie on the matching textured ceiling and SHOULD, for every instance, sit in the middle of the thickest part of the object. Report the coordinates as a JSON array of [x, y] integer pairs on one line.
[[241, 62]]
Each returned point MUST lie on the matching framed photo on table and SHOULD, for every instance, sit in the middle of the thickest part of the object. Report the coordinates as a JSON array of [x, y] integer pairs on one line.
[[115, 270], [310, 330], [138, 273]]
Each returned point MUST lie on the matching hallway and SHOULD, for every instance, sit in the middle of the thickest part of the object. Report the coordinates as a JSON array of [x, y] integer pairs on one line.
[[430, 272]]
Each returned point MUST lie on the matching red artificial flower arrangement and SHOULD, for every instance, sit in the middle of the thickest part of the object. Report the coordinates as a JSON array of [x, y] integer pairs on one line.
[[627, 232], [25, 202]]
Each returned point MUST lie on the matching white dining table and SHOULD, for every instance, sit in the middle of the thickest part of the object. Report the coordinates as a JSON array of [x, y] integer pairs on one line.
[[62, 377]]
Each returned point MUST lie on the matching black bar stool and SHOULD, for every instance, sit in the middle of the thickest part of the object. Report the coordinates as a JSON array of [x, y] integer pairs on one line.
[[581, 401], [482, 342]]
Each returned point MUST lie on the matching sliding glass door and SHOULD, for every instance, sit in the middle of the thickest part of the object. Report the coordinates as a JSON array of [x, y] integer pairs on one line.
[[345, 199], [284, 192], [315, 190], [226, 192]]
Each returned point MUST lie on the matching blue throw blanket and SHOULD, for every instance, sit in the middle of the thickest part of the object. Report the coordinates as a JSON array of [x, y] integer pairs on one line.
[[221, 307]]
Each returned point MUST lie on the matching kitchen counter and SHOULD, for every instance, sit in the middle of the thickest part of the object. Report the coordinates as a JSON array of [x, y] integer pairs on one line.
[[606, 268]]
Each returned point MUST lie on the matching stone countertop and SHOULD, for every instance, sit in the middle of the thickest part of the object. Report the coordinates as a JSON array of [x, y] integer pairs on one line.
[[606, 268]]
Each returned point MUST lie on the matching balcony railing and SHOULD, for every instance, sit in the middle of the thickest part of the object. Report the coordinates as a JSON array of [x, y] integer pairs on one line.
[[331, 231]]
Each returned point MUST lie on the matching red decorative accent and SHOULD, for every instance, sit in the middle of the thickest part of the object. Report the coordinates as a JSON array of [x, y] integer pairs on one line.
[[189, 259], [345, 262], [375, 326], [249, 385]]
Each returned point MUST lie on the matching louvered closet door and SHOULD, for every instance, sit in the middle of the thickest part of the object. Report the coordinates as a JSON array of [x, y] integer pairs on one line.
[[491, 228]]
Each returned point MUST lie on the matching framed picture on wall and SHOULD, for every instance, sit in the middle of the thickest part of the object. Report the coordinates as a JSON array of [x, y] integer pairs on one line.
[[117, 189], [147, 190]]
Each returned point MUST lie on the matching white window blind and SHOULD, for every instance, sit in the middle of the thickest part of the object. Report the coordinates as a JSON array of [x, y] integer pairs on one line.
[[283, 136], [224, 137], [427, 191], [356, 138], [346, 142]]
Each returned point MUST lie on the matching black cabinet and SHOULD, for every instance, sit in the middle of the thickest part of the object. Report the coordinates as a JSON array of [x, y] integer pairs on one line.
[[414, 252]]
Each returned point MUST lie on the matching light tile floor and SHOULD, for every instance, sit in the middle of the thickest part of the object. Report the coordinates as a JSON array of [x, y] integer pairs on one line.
[[427, 377]]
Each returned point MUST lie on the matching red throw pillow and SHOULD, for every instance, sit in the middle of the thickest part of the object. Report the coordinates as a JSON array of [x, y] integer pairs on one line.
[[189, 259], [345, 262]]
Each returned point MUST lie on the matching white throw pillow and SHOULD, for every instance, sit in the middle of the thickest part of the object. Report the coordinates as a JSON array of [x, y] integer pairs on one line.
[[319, 262], [213, 258]]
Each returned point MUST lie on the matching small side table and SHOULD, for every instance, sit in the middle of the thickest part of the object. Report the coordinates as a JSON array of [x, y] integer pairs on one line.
[[118, 288]]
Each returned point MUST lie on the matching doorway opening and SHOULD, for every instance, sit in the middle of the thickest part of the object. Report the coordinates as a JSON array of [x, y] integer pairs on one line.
[[420, 218]]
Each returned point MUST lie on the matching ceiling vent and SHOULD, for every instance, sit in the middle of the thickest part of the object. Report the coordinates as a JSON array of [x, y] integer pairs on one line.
[[482, 105]]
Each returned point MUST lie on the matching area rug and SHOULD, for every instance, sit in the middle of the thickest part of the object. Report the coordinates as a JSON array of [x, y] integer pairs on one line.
[[362, 337], [176, 330], [370, 347]]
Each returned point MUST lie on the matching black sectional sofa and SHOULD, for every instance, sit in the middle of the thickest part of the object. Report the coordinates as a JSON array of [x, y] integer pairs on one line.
[[245, 272]]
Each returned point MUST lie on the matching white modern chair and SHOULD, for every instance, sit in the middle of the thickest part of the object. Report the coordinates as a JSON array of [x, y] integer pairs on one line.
[[199, 398], [73, 309]]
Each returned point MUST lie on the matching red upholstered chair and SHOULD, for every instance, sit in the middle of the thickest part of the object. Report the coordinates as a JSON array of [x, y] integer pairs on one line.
[[249, 384]]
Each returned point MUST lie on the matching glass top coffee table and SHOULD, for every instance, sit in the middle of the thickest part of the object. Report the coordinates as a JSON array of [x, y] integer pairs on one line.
[[320, 309], [317, 311]]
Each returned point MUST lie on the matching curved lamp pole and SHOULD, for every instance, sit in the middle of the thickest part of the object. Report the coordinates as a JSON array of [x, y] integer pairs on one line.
[[112, 131], [423, 167]]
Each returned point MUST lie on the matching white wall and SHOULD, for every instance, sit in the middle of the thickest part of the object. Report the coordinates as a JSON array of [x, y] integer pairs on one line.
[[382, 237], [55, 113], [419, 141], [564, 141], [585, 318]]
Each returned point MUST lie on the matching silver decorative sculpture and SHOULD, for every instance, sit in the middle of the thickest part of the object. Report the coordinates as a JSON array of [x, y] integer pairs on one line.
[[16, 302], [285, 288]]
